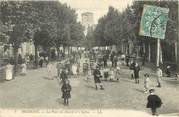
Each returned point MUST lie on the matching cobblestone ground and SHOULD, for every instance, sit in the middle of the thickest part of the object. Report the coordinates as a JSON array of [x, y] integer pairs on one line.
[[35, 91]]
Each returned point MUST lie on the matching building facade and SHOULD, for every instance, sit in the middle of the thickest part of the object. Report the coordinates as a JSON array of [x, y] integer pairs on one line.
[[87, 21]]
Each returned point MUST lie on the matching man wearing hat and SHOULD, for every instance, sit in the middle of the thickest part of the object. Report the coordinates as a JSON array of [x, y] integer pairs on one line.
[[154, 102], [97, 76]]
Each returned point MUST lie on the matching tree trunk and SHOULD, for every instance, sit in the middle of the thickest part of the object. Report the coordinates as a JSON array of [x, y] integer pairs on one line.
[[149, 53], [158, 53], [122, 47], [68, 50], [36, 56], [58, 52], [178, 56], [71, 50], [176, 52], [144, 47]]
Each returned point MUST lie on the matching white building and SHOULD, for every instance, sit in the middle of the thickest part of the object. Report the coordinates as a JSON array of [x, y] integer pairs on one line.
[[87, 21]]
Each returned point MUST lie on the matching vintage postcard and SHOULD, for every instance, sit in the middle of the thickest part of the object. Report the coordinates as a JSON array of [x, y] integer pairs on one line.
[[89, 58]]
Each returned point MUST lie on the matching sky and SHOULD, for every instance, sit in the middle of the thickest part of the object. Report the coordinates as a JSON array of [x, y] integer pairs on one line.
[[97, 7]]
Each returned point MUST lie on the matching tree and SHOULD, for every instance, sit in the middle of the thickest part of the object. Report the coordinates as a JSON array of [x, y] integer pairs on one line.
[[48, 23], [13, 15]]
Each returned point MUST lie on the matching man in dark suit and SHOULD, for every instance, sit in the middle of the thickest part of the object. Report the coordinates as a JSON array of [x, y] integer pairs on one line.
[[154, 102], [136, 73]]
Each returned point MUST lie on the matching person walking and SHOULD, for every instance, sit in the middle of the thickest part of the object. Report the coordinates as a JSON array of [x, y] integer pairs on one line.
[[154, 102], [66, 89], [41, 60], [159, 76], [105, 59], [117, 74], [146, 82], [132, 65], [63, 76], [111, 74], [136, 73], [112, 58], [85, 67], [97, 76], [49, 71], [127, 60], [9, 71], [58, 66], [115, 59]]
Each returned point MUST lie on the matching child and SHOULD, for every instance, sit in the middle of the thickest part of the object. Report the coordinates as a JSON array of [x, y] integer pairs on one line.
[[66, 89], [146, 82], [97, 76], [117, 73], [154, 102]]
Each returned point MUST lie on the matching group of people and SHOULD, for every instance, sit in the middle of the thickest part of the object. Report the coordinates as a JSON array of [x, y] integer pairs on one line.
[[103, 70], [153, 100], [135, 69]]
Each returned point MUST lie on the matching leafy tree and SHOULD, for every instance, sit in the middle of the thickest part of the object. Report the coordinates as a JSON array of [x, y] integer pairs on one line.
[[48, 23], [13, 15]]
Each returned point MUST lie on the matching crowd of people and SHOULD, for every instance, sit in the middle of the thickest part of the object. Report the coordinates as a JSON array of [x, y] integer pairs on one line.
[[101, 65], [106, 66]]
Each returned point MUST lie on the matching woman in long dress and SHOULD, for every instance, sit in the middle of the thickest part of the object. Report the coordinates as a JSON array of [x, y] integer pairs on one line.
[[9, 71], [24, 68], [49, 71], [74, 69]]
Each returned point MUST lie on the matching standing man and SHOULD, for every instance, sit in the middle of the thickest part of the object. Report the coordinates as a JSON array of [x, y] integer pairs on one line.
[[132, 65], [127, 60], [97, 76], [136, 73], [159, 76]]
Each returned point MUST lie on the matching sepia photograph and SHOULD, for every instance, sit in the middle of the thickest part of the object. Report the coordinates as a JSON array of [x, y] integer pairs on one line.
[[89, 58]]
